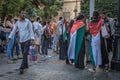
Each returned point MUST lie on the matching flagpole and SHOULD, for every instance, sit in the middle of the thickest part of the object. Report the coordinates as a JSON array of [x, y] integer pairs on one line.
[[92, 7]]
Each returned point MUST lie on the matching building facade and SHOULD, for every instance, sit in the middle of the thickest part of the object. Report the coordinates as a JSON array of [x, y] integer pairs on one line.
[[71, 8]]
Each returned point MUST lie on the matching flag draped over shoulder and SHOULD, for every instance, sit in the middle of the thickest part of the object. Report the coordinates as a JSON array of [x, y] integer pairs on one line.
[[96, 27], [94, 30], [77, 34]]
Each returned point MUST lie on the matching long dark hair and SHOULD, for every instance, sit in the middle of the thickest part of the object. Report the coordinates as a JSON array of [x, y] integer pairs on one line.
[[81, 16], [9, 17], [96, 16], [71, 23]]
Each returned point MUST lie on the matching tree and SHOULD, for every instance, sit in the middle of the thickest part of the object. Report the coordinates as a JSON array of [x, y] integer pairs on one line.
[[13, 6], [33, 7], [51, 8], [108, 6]]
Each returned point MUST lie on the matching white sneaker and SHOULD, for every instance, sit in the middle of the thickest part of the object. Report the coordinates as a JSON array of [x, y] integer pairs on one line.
[[91, 70], [42, 56], [86, 67], [48, 56], [106, 71], [73, 63]]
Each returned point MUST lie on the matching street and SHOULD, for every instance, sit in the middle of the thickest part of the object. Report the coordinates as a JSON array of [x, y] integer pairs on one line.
[[51, 68]]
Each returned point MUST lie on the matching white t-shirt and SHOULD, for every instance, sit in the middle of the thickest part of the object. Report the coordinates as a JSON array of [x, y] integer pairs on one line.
[[37, 26]]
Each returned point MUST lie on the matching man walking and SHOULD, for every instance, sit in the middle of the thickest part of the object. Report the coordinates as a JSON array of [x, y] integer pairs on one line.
[[24, 27]]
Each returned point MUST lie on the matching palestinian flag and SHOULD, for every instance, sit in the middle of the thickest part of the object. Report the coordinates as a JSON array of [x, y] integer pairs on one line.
[[64, 30], [77, 34], [94, 30]]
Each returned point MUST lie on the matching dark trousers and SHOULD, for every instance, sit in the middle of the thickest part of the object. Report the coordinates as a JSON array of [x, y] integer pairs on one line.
[[63, 48], [109, 44], [45, 47], [68, 42], [80, 62], [25, 52], [50, 42]]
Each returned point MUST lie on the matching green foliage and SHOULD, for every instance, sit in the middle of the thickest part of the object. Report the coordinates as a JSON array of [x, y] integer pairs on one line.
[[108, 6], [31, 6], [40, 12], [85, 8], [51, 8]]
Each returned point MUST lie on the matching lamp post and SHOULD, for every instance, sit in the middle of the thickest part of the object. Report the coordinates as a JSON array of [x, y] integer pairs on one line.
[[75, 9], [115, 63]]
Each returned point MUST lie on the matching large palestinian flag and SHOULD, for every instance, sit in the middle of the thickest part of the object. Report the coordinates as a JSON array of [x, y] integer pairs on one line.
[[94, 30], [77, 34]]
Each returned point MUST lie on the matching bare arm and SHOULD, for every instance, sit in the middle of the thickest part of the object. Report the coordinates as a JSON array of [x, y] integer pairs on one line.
[[11, 25]]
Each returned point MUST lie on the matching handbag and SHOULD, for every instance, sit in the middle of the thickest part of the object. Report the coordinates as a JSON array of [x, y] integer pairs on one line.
[[104, 32]]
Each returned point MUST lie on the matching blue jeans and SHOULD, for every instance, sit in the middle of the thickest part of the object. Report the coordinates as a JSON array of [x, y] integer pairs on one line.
[[16, 46], [54, 42], [9, 47]]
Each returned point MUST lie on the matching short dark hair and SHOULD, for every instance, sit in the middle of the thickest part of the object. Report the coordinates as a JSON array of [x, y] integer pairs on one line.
[[21, 10], [60, 18], [96, 15], [44, 23], [104, 13], [81, 16], [38, 18], [108, 15]]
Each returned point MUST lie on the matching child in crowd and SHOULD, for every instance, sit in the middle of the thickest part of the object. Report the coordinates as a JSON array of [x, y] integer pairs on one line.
[[33, 54]]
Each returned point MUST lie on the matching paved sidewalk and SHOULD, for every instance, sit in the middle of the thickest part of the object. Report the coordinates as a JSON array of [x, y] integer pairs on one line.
[[51, 68]]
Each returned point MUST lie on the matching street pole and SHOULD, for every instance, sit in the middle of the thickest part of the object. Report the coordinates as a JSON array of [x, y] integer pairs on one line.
[[92, 7], [75, 10], [115, 63]]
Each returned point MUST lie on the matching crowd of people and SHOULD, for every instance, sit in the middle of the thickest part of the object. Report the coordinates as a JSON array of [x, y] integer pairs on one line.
[[94, 39], [76, 42]]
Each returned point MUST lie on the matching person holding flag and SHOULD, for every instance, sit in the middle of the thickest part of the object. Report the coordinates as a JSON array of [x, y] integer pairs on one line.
[[76, 49], [62, 35], [95, 40]]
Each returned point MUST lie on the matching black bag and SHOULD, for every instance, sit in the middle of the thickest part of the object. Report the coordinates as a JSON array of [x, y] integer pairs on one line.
[[2, 35]]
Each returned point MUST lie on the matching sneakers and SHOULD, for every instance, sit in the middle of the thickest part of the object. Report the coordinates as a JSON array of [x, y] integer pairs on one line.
[[48, 56], [91, 70]]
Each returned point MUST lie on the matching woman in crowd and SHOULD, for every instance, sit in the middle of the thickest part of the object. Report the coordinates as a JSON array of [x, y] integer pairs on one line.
[[9, 24], [68, 39], [105, 44], [95, 48], [76, 50]]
